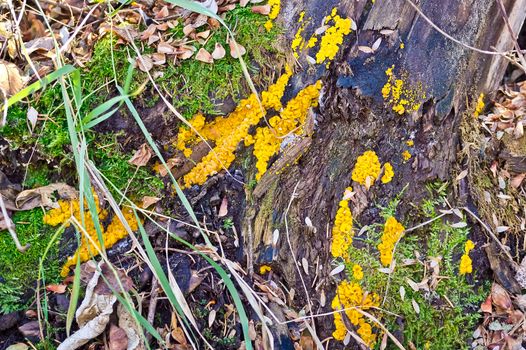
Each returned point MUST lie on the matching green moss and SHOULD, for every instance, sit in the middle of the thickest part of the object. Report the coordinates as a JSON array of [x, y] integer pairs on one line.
[[197, 83], [20, 270], [438, 325]]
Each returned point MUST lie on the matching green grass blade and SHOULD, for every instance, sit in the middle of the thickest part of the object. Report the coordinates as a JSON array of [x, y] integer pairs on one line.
[[51, 77], [75, 291], [102, 109]]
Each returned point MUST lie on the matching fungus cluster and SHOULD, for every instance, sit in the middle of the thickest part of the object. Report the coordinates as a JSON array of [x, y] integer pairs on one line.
[[465, 261], [333, 37], [399, 96], [267, 141], [480, 106], [393, 230], [342, 231], [228, 132], [367, 166], [114, 232], [349, 295], [273, 14]]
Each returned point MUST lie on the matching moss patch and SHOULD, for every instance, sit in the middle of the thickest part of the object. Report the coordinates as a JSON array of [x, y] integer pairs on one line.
[[448, 313], [18, 270]]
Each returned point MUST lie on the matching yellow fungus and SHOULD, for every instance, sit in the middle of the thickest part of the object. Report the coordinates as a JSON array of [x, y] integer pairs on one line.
[[342, 232], [332, 38], [263, 269], [393, 230], [406, 155], [349, 295], [357, 272], [410, 143], [114, 232], [367, 166], [480, 106], [466, 264], [228, 132], [388, 173], [398, 95], [267, 142]]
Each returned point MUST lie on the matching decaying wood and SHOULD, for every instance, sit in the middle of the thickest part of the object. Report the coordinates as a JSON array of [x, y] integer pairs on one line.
[[353, 118]]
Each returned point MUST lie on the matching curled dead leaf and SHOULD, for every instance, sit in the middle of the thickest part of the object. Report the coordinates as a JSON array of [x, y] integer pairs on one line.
[[204, 56], [219, 52], [45, 196], [500, 297], [11, 79], [56, 288], [261, 9], [149, 200], [141, 156], [118, 340], [236, 53]]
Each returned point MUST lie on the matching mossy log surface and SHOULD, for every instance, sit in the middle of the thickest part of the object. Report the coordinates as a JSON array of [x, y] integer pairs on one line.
[[352, 118]]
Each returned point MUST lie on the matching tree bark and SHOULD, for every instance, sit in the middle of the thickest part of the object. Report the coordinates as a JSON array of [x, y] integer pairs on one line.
[[353, 118]]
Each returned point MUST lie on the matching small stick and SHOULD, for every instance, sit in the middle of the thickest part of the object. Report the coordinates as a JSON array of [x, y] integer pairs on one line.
[[153, 303], [10, 227]]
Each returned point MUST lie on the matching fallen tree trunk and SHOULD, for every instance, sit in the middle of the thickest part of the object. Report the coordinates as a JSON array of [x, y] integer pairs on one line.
[[445, 77]]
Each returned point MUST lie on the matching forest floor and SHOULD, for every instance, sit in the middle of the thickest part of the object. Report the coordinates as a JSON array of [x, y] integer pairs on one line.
[[101, 146]]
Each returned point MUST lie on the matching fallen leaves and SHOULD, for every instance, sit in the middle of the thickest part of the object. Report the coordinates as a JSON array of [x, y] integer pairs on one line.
[[94, 313], [204, 56], [141, 156], [11, 79]]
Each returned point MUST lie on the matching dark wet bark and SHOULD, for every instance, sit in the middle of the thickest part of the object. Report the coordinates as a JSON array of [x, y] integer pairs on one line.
[[353, 118]]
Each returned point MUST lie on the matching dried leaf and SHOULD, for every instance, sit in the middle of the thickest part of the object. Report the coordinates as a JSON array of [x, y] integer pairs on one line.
[[402, 293], [486, 305], [144, 63], [141, 156], [17, 346], [365, 49], [262, 9], [166, 48], [204, 56], [337, 270], [517, 180], [462, 175], [44, 196], [500, 297], [415, 306], [211, 317], [92, 316], [128, 323], [219, 52], [223, 209], [11, 80], [376, 44], [501, 229], [305, 264], [32, 117], [460, 224], [211, 5], [149, 200], [56, 288], [240, 49], [118, 338], [203, 35], [414, 286]]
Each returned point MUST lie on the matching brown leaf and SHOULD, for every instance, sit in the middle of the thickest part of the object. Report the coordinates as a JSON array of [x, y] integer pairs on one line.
[[486, 305], [240, 49], [44, 196], [107, 285], [118, 338], [517, 180], [11, 80], [30, 329], [223, 209], [56, 288], [186, 52], [162, 13], [219, 52], [195, 281], [262, 9], [148, 200], [204, 56], [141, 156], [243, 3], [188, 29], [144, 63], [158, 58], [200, 20], [166, 48], [203, 35], [500, 297]]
